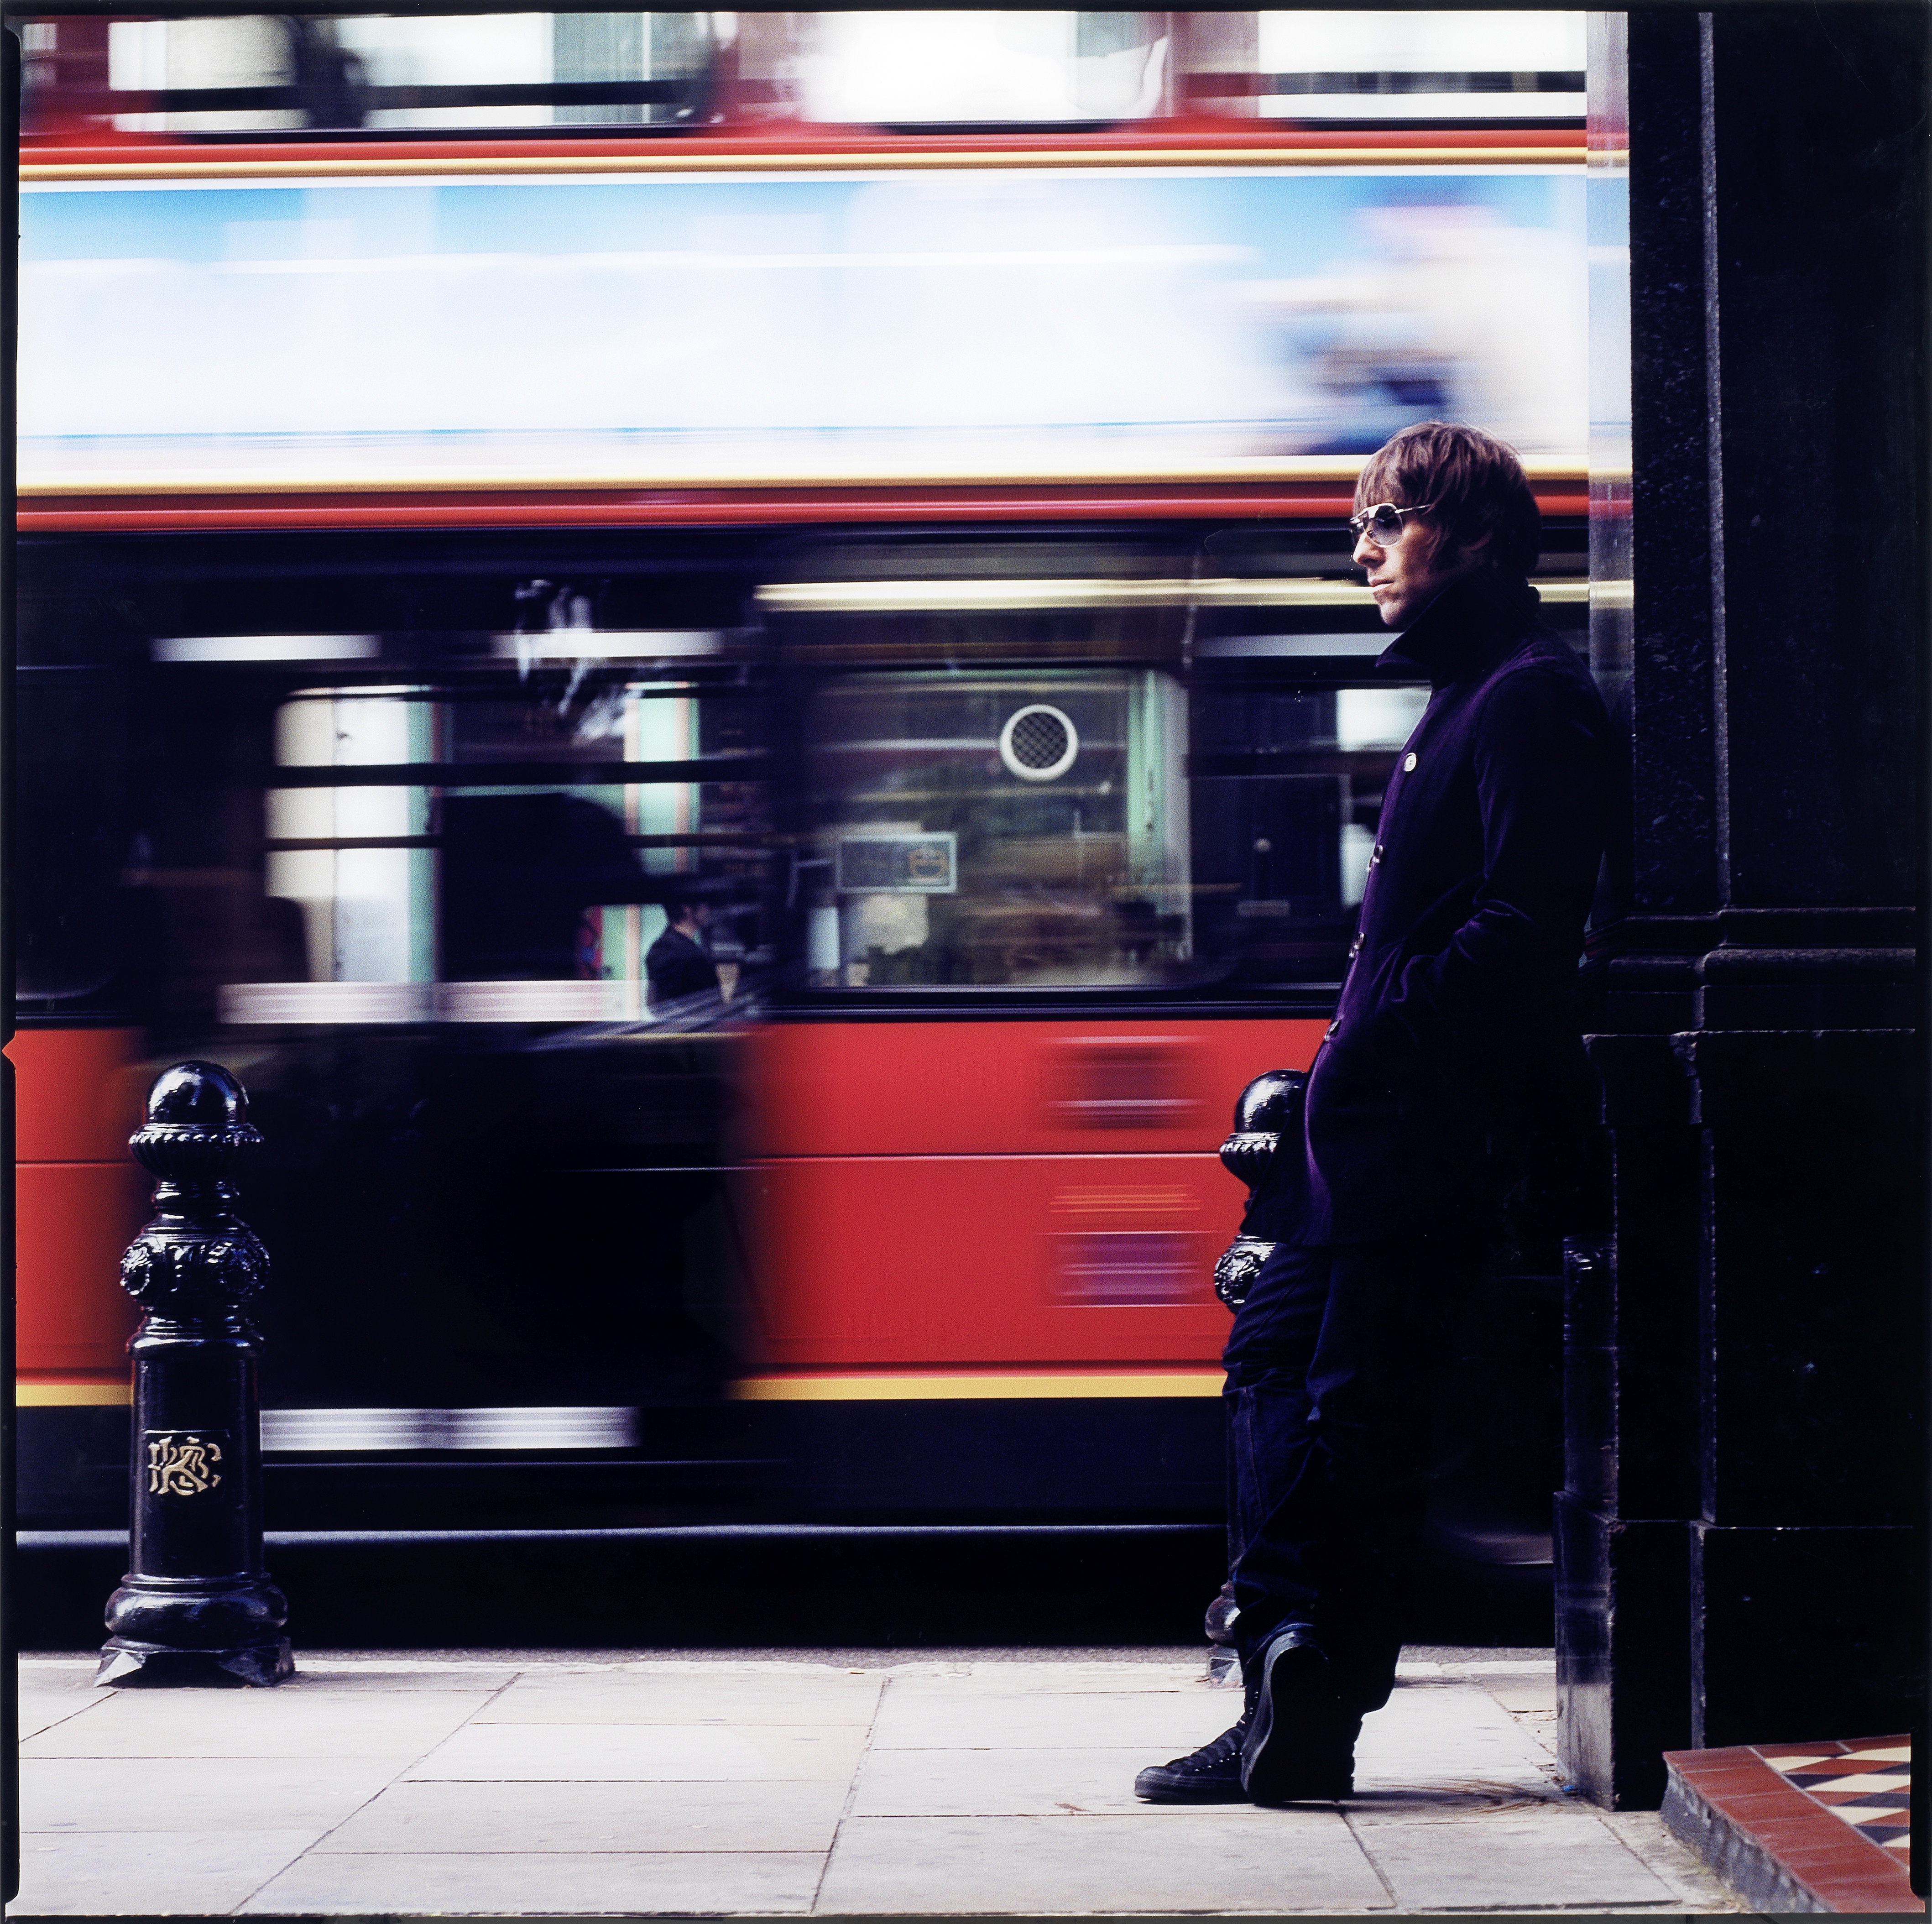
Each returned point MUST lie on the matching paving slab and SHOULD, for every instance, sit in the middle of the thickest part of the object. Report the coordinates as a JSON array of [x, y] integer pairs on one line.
[[1173, 1858], [671, 1752], [390, 1679], [204, 1871], [457, 1883], [947, 1681], [1524, 1699], [1032, 1781], [1435, 1738], [615, 1698], [1692, 1884], [106, 1795], [1169, 1720], [283, 1722], [44, 1704], [1507, 1859], [420, 1818]]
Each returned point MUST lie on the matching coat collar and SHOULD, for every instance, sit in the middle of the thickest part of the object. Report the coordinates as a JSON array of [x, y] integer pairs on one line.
[[1469, 627]]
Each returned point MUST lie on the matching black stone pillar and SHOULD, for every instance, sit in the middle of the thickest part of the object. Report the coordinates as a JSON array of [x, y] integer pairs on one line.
[[197, 1606], [1631, 1444], [1747, 1362], [1804, 1618]]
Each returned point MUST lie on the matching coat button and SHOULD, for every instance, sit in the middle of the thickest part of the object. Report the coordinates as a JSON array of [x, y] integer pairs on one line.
[[1354, 948], [1377, 856], [1408, 761], [1332, 1028]]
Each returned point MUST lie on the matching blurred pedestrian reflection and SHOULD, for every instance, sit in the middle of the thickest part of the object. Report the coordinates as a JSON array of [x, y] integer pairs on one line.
[[519, 872], [676, 965]]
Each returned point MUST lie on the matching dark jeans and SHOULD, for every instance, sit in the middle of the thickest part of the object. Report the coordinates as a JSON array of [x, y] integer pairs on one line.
[[1332, 1367]]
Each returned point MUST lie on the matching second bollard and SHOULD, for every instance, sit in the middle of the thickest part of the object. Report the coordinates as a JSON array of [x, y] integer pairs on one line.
[[1268, 1110], [197, 1606]]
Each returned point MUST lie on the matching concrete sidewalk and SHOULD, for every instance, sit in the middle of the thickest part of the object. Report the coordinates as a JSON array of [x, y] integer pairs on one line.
[[832, 1784]]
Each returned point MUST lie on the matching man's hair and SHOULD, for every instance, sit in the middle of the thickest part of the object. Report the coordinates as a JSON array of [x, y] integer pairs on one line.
[[1476, 482]]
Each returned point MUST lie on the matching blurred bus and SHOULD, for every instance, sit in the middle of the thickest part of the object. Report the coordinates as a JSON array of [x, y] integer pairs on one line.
[[479, 494]]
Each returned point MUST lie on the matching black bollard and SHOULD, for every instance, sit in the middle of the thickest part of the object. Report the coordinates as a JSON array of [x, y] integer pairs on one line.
[[195, 1606], [1268, 1110], [1265, 1110]]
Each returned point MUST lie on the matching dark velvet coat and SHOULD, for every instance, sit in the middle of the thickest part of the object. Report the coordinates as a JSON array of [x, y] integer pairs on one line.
[[1454, 1064]]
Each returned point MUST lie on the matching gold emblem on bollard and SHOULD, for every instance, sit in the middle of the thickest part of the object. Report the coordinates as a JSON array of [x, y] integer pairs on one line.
[[181, 1463]]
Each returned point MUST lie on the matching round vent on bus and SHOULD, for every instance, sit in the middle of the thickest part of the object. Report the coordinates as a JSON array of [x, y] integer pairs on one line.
[[1039, 744]]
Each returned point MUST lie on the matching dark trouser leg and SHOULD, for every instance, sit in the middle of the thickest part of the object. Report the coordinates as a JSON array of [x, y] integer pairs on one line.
[[1329, 1367], [1267, 1356]]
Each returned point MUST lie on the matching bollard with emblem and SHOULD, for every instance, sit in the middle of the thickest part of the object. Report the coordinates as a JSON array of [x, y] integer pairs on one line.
[[1264, 1111], [195, 1607], [1268, 1110]]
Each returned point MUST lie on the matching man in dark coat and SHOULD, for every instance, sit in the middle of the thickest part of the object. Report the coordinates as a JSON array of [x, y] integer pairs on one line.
[[676, 965], [1453, 1066]]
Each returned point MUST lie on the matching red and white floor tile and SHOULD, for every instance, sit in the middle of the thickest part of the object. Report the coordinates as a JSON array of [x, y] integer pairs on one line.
[[1868, 1784], [1816, 1826]]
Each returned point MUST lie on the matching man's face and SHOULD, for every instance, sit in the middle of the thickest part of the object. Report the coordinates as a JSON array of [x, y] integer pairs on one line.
[[1405, 572]]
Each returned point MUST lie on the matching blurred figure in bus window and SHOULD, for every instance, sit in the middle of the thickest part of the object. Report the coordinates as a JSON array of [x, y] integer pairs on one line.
[[1452, 1077], [675, 964], [519, 873]]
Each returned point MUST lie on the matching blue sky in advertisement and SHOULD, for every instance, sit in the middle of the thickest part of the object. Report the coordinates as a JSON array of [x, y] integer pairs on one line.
[[1295, 223], [1279, 312]]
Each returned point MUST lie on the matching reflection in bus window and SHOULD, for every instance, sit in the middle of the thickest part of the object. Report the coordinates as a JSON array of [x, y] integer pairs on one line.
[[268, 73], [903, 68], [366, 895], [998, 829], [524, 852], [1286, 788]]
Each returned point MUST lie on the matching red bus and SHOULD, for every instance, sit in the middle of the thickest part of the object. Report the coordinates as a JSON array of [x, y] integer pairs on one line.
[[445, 555]]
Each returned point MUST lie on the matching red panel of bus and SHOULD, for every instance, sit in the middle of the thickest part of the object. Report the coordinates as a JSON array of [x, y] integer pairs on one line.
[[933, 1195], [79, 1197]]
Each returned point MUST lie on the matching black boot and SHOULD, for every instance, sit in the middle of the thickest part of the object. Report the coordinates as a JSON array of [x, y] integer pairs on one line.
[[1211, 1775], [1301, 1741]]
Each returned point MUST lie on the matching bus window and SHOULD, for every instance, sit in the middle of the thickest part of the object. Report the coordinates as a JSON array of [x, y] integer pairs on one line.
[[344, 854], [501, 844], [263, 73], [75, 838], [1287, 786], [907, 70], [1001, 829]]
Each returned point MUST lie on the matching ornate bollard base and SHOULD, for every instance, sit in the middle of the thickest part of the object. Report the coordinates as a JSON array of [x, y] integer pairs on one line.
[[128, 1666], [187, 1630]]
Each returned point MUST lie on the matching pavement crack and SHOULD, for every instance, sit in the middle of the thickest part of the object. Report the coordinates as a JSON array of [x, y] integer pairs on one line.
[[851, 1792], [309, 1849], [1368, 1857]]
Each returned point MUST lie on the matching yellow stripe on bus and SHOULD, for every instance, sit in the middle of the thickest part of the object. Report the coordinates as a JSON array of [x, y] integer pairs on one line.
[[962, 1385], [42, 1396], [882, 1387]]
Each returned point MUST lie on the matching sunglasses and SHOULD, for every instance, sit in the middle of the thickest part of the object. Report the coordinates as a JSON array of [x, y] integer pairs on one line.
[[1383, 522]]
